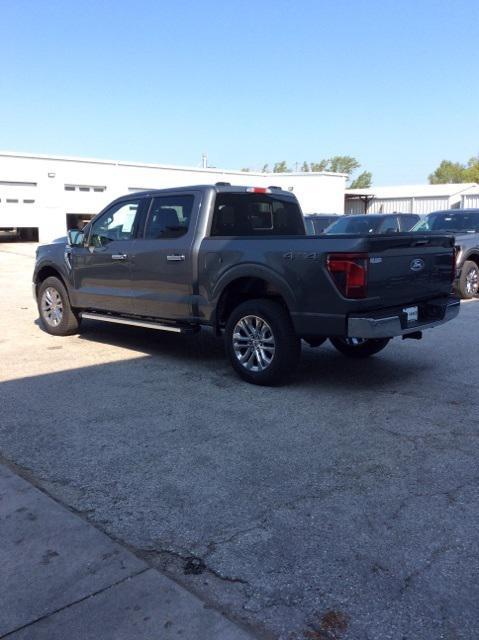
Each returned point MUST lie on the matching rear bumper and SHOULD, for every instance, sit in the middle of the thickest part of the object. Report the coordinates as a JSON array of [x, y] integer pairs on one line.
[[431, 314], [382, 323]]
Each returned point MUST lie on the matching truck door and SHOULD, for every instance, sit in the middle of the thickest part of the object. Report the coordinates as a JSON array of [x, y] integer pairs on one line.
[[102, 269], [162, 269]]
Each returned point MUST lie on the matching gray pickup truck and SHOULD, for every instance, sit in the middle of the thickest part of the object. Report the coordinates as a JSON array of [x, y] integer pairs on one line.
[[238, 259]]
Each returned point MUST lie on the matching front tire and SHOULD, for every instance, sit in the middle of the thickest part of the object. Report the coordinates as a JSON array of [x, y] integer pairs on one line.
[[261, 343], [359, 347], [469, 280], [56, 314]]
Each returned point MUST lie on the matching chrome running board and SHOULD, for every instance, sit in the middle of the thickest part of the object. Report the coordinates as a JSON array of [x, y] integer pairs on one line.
[[130, 321]]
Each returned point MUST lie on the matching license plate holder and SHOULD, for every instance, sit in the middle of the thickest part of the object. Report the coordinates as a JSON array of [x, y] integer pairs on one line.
[[411, 313]]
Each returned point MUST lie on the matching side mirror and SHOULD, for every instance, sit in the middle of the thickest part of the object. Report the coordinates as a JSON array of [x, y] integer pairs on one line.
[[76, 238]]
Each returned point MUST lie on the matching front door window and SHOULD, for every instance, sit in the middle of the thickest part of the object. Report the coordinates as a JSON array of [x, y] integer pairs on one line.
[[115, 224]]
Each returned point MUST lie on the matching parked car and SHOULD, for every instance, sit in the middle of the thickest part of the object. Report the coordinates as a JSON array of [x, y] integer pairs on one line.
[[316, 223], [373, 223], [238, 259], [464, 225]]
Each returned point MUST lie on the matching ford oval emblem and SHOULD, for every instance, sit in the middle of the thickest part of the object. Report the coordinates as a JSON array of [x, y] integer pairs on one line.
[[417, 264]]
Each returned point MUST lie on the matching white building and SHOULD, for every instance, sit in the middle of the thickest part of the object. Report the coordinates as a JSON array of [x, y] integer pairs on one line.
[[48, 194], [411, 198], [470, 199]]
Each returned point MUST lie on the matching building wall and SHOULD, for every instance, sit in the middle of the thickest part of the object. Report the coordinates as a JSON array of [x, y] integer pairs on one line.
[[470, 201], [419, 205], [39, 191]]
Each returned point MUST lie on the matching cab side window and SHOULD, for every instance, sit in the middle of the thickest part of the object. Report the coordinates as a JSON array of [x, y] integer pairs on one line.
[[169, 217], [115, 224]]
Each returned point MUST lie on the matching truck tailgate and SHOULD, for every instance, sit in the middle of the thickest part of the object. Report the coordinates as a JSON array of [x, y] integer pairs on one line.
[[409, 267]]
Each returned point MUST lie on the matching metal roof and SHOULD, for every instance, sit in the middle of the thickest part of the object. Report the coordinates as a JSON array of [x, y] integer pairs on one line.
[[414, 190], [149, 165]]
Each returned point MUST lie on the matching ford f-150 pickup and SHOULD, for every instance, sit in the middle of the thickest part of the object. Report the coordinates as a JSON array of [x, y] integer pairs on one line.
[[238, 259]]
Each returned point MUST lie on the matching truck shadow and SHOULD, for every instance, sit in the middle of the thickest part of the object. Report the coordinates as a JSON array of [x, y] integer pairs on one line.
[[204, 354]]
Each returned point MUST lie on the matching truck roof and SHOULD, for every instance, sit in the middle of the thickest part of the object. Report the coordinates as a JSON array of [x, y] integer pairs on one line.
[[220, 187]]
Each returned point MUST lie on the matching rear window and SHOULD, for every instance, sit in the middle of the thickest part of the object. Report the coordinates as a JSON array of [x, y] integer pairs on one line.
[[245, 214], [316, 226]]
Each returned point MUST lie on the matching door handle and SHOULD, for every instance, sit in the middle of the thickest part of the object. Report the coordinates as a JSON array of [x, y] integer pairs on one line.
[[176, 257], [119, 256]]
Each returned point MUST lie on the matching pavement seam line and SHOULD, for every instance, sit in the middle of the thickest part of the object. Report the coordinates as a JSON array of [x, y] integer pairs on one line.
[[27, 475], [72, 604]]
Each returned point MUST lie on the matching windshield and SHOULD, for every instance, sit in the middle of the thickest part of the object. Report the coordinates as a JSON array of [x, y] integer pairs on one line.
[[450, 221], [356, 224]]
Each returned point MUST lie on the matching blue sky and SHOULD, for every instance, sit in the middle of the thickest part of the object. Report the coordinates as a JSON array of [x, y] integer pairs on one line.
[[394, 84]]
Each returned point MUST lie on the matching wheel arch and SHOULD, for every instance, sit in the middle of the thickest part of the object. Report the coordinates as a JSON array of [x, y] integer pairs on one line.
[[472, 257], [49, 271], [246, 284]]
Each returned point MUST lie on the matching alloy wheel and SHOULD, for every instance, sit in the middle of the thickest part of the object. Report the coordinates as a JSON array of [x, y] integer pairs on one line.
[[472, 282], [253, 343], [51, 307]]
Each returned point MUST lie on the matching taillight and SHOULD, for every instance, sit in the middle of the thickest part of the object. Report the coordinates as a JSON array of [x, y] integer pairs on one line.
[[350, 273], [258, 190]]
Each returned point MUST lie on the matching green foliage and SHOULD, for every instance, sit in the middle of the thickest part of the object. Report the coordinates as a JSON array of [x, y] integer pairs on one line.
[[363, 181], [343, 164], [448, 171], [456, 172], [265, 168], [471, 173], [336, 164], [322, 165], [280, 167]]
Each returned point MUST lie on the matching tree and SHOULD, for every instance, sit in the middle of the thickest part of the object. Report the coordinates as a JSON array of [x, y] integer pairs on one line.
[[335, 164], [343, 164], [280, 167], [246, 170], [471, 173], [456, 172], [363, 181], [448, 171], [265, 168], [322, 165]]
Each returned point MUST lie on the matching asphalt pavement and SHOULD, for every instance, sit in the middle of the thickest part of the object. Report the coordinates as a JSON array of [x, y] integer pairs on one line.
[[343, 506]]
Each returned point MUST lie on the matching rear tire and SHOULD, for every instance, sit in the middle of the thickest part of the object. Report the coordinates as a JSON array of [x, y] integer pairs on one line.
[[468, 284], [261, 343], [363, 348], [56, 314]]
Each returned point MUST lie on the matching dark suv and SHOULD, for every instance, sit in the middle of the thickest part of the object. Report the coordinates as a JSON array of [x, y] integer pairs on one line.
[[373, 223], [464, 225]]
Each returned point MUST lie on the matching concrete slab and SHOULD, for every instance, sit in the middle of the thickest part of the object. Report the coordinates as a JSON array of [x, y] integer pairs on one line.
[[141, 608], [50, 557]]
